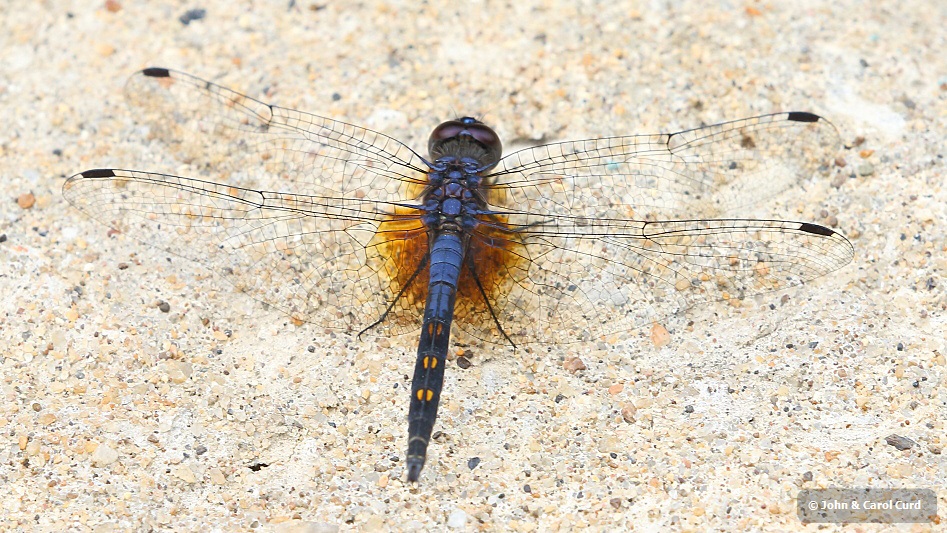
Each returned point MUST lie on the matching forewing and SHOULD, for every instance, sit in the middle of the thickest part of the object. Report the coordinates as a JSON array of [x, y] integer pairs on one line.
[[317, 258], [233, 138], [699, 173]]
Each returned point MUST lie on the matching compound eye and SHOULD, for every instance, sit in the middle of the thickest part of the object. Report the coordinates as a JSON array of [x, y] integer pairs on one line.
[[485, 136], [447, 130], [469, 127]]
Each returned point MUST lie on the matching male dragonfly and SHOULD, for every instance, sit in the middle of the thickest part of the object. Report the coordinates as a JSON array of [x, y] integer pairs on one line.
[[353, 230]]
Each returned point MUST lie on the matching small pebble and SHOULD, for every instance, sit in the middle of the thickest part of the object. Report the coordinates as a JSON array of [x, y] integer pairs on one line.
[[164, 306], [104, 455], [573, 365], [179, 371], [866, 169], [104, 49], [191, 15], [185, 474], [26, 201], [899, 442], [660, 336], [457, 519], [216, 476], [473, 462]]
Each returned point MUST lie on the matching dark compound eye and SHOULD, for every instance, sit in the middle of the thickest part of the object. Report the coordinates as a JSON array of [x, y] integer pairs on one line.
[[448, 137], [446, 130], [486, 137]]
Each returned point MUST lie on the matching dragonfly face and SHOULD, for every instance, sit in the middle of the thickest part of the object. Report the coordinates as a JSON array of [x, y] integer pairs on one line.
[[571, 241]]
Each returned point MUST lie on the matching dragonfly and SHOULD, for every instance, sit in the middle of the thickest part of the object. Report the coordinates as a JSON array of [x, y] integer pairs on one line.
[[351, 229]]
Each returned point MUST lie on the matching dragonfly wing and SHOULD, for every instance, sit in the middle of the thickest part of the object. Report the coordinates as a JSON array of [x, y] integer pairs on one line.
[[320, 259], [703, 172], [583, 278], [237, 139]]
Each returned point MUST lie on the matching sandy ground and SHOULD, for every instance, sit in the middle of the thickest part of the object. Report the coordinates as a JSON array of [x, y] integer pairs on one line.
[[223, 415]]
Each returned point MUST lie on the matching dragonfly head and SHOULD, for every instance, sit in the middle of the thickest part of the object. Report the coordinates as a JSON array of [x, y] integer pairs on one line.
[[466, 137]]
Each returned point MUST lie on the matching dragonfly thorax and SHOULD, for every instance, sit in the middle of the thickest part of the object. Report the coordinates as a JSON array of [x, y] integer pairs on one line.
[[452, 201]]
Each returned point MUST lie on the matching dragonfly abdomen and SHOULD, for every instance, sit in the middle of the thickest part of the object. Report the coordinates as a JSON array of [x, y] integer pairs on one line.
[[447, 256]]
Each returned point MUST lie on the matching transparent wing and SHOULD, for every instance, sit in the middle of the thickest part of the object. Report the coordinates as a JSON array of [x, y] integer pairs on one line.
[[699, 173], [236, 139], [330, 260], [577, 278]]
